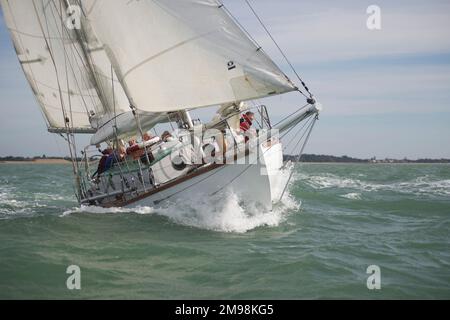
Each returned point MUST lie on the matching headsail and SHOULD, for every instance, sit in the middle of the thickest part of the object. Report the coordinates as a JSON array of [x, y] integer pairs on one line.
[[117, 118], [109, 89], [53, 63], [182, 54]]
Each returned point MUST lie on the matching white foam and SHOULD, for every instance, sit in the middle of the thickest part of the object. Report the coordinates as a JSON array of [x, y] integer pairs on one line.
[[52, 197], [225, 213], [352, 196], [3, 196], [222, 213], [9, 205], [15, 203], [278, 183], [100, 210], [423, 185]]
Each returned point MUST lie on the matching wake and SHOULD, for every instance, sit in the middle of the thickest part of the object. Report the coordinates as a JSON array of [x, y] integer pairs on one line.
[[222, 213]]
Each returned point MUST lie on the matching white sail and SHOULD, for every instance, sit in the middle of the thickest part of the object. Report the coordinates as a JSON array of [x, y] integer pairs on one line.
[[53, 63], [110, 91], [181, 54], [117, 119]]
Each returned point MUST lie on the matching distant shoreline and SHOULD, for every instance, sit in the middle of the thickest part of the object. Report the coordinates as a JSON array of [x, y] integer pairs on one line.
[[374, 163], [312, 158], [40, 161], [62, 161], [307, 158], [66, 162]]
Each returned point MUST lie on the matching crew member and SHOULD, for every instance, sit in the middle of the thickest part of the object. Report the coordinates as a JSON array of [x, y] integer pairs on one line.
[[246, 123], [102, 163]]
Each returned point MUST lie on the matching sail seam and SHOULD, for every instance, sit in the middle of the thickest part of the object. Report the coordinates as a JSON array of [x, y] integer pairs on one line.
[[180, 44]]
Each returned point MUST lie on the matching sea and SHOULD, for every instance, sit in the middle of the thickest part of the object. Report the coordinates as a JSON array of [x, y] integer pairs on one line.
[[343, 231]]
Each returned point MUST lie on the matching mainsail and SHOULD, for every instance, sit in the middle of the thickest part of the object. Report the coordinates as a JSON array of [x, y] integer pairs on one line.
[[182, 54], [53, 64]]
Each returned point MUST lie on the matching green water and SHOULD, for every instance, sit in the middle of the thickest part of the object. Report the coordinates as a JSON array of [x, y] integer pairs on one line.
[[338, 220]]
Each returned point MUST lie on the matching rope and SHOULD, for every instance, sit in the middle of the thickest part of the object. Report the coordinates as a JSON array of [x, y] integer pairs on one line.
[[82, 39], [290, 115], [75, 54], [281, 51], [114, 100], [296, 134], [309, 130], [222, 6], [70, 134], [222, 168], [66, 58], [57, 79], [248, 167]]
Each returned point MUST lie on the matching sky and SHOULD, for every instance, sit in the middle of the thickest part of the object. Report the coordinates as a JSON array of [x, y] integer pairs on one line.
[[385, 93]]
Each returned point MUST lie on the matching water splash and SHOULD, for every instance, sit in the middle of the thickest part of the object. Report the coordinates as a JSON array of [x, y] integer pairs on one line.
[[226, 213], [222, 213], [100, 210]]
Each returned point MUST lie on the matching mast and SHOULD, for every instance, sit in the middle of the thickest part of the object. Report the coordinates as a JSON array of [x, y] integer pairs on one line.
[[187, 119], [86, 56], [67, 120]]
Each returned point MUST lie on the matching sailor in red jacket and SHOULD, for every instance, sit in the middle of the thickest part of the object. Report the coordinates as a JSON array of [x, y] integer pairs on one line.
[[247, 121]]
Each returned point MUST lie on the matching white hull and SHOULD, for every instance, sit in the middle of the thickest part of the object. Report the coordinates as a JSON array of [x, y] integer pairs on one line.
[[258, 182]]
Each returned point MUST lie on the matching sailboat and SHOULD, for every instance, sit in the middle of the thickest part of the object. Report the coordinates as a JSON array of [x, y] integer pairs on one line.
[[118, 69]]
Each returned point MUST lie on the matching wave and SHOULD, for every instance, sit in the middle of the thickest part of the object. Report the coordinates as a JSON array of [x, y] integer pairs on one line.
[[100, 210], [423, 185], [226, 213], [52, 197], [221, 213], [352, 196], [15, 203]]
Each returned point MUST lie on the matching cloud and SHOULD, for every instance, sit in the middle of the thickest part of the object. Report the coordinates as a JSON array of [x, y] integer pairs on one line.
[[324, 30], [351, 69]]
